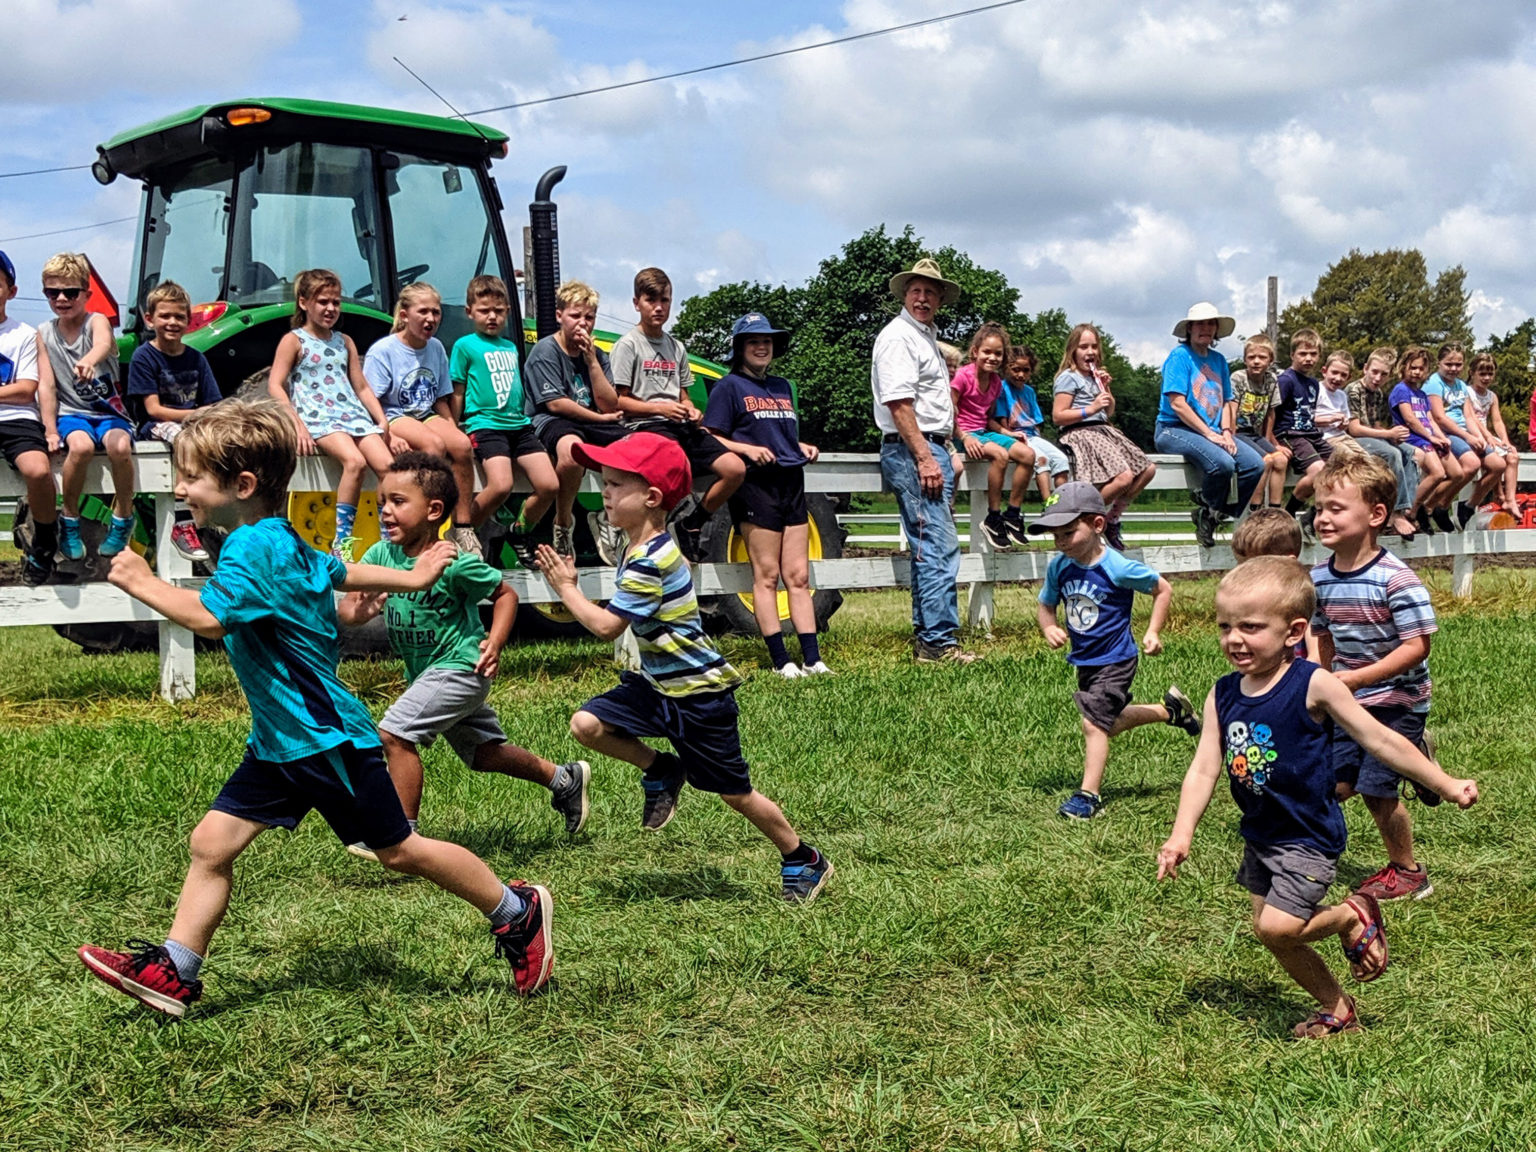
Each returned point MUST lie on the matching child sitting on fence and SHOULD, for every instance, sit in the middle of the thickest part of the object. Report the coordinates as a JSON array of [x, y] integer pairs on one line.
[[975, 389], [1267, 727], [450, 657], [1017, 414], [313, 745], [21, 432], [1256, 387], [1098, 585], [1482, 399], [317, 377], [1292, 422], [167, 383], [82, 411], [1371, 427], [1440, 472]]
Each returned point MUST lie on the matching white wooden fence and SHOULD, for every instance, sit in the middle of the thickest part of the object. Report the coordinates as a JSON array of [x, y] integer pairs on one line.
[[980, 567]]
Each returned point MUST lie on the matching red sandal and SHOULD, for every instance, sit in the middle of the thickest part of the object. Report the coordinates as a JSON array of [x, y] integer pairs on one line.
[[1320, 1025], [1368, 956]]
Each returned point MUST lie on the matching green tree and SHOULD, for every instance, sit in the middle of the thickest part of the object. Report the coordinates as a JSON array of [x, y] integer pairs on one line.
[[1372, 298], [1515, 354], [704, 322]]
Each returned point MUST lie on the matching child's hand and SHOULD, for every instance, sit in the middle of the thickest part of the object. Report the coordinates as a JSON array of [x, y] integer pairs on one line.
[[758, 454], [435, 560], [1056, 636], [810, 452], [369, 605], [490, 658], [129, 569], [673, 410], [85, 371], [306, 441], [1152, 643], [1169, 857], [55, 445], [1462, 793], [395, 444], [559, 570]]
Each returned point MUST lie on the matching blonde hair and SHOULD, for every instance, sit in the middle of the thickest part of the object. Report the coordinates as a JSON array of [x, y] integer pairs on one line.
[[574, 293], [1386, 354], [408, 296], [306, 286], [70, 266], [1341, 357], [1367, 473], [1306, 338], [1068, 363], [1479, 360], [1260, 341], [951, 354], [1267, 532], [1282, 581], [236, 436], [166, 292]]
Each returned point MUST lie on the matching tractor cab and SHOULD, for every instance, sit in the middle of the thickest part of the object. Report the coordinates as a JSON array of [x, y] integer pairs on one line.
[[240, 197]]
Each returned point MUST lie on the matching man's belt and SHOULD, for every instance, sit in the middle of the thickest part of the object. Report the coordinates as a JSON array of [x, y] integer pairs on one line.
[[931, 437]]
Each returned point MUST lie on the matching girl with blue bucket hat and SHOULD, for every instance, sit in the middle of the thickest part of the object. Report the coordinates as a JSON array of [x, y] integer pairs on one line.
[[753, 414]]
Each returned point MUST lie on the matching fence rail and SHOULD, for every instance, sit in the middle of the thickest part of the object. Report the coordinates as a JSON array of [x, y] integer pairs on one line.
[[981, 567]]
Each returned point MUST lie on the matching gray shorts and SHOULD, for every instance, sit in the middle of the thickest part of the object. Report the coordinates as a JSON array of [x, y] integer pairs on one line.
[[448, 702], [1103, 691], [1290, 877]]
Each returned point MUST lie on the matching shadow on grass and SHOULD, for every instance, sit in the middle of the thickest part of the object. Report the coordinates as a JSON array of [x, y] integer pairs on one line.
[[705, 883], [356, 969], [1274, 1009], [487, 839]]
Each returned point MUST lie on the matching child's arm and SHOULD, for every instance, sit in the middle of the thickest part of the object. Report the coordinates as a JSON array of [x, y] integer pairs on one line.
[[155, 410], [1194, 795], [1055, 634], [1314, 646], [277, 387], [131, 573], [376, 578], [1416, 426], [1441, 418], [102, 346], [443, 406], [561, 574], [48, 399], [357, 608], [456, 401], [667, 409], [754, 453], [1327, 693], [503, 613], [369, 401], [1410, 650], [1162, 600]]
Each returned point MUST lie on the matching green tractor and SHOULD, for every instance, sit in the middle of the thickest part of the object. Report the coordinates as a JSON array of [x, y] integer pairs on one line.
[[240, 196]]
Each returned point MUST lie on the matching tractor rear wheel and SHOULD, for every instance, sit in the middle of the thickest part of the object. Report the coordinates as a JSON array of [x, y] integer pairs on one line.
[[722, 544]]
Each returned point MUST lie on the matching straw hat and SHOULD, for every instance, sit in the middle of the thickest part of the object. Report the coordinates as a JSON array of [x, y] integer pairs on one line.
[[928, 270], [1204, 311]]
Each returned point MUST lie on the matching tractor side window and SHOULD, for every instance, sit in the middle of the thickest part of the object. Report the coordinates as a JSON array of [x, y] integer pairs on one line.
[[306, 205], [444, 232], [187, 232]]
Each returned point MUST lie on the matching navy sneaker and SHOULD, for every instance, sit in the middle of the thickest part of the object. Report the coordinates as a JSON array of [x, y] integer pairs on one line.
[[1181, 711], [1113, 536], [571, 801], [1017, 531], [662, 783], [36, 568], [1081, 805], [996, 531], [803, 882]]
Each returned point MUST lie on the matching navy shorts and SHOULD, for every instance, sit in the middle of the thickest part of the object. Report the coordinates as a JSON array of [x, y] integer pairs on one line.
[[18, 436], [280, 794], [596, 433], [509, 442], [772, 497], [1364, 773], [1103, 691], [702, 728]]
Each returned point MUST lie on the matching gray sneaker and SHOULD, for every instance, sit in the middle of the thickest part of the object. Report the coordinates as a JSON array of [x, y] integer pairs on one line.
[[934, 654], [565, 539], [464, 538], [610, 542], [571, 801], [662, 782]]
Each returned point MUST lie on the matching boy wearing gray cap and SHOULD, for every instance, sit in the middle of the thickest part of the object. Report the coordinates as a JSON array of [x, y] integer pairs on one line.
[[1098, 585]]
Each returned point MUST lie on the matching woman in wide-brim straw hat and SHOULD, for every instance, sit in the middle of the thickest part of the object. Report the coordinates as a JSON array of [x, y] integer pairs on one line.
[[753, 414], [1101, 453], [1197, 419]]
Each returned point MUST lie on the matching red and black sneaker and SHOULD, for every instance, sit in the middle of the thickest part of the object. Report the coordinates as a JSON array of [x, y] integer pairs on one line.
[[146, 974], [525, 943]]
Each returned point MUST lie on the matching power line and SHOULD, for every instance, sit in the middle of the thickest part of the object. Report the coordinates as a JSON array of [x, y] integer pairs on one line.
[[61, 231], [748, 59], [44, 171]]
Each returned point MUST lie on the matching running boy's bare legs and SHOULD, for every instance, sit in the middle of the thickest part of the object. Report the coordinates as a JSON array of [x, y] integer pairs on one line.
[[216, 843], [508, 759], [1096, 740], [1289, 939], [766, 816], [1396, 828], [590, 732]]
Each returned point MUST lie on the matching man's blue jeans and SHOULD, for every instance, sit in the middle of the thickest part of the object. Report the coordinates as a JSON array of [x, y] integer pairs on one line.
[[930, 527], [1216, 465]]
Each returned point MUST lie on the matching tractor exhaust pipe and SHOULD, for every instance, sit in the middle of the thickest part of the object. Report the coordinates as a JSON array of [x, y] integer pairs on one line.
[[546, 250]]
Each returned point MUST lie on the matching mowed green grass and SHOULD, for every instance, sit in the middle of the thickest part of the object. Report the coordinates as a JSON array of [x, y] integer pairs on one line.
[[979, 974]]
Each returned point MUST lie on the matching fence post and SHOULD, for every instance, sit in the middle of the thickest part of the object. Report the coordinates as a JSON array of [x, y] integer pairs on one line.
[[178, 654], [979, 610], [1462, 567]]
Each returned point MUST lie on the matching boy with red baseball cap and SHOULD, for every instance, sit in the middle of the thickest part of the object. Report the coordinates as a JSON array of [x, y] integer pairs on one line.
[[685, 690]]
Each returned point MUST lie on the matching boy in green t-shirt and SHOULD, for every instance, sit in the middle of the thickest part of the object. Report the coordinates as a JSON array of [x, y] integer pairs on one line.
[[449, 656], [488, 403]]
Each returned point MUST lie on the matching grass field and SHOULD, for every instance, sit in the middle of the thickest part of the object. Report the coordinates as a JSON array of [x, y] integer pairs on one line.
[[979, 974]]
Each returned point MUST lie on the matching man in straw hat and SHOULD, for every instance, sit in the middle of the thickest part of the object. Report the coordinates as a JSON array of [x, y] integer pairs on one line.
[[915, 412]]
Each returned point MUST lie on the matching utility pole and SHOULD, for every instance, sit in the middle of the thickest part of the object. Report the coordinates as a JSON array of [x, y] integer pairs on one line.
[[1272, 315]]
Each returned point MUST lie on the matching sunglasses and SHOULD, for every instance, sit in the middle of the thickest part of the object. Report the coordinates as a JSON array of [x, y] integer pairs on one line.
[[67, 293]]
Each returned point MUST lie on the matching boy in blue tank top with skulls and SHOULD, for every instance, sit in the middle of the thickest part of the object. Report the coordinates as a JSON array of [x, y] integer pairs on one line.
[[1268, 726], [1098, 586]]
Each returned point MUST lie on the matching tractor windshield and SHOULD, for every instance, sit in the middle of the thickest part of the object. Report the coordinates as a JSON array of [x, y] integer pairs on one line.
[[186, 231]]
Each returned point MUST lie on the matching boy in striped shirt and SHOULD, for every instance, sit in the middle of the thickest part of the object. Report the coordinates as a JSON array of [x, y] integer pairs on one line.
[[685, 690], [1373, 625]]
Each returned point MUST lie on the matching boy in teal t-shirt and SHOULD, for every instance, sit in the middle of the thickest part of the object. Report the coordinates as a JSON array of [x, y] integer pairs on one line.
[[450, 658], [488, 402]]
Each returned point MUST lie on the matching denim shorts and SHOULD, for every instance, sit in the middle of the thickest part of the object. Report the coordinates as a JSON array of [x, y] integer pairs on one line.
[[1354, 766]]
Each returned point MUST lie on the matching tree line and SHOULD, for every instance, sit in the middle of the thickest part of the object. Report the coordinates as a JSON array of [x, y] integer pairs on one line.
[[1361, 302]]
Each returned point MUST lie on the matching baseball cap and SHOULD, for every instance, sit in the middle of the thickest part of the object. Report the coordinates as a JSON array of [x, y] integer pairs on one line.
[[658, 459], [8, 268], [1066, 504]]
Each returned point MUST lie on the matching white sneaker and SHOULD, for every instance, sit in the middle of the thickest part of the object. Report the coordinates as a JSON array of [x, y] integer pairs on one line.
[[565, 539], [363, 852], [610, 542], [792, 672], [818, 669]]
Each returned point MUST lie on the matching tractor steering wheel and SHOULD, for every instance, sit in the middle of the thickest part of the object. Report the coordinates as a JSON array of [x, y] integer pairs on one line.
[[409, 275]]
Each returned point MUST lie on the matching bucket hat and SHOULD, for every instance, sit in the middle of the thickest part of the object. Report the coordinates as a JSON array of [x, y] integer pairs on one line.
[[754, 324], [928, 270], [1204, 311]]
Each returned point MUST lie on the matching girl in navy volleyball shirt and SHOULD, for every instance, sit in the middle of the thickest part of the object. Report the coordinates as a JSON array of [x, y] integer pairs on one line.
[[753, 414]]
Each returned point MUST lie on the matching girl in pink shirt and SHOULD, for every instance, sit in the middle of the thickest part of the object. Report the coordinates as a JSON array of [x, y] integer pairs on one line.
[[975, 388]]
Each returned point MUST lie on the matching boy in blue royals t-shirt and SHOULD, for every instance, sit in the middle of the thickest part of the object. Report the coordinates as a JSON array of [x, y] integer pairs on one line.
[[1267, 726], [1099, 585], [686, 691], [313, 744]]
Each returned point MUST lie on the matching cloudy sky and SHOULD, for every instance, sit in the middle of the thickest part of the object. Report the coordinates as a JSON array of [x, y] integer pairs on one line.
[[1119, 161]]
